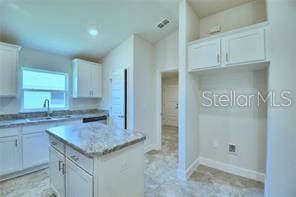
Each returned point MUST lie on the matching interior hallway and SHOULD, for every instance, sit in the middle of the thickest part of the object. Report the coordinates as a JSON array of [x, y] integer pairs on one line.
[[160, 178]]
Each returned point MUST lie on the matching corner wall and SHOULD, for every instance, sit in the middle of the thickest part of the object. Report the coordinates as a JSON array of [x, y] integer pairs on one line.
[[188, 95], [281, 158]]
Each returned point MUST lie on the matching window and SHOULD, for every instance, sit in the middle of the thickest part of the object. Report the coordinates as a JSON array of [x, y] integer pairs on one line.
[[38, 85]]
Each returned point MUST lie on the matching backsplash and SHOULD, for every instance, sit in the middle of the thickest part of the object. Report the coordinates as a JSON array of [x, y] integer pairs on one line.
[[54, 113]]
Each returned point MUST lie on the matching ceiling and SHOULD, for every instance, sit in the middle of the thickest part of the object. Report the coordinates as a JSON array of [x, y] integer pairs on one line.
[[62, 26], [205, 8]]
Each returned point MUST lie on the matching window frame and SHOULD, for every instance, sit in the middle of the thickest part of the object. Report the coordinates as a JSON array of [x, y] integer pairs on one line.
[[22, 90]]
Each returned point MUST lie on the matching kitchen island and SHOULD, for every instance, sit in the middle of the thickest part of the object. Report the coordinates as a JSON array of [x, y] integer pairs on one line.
[[97, 160]]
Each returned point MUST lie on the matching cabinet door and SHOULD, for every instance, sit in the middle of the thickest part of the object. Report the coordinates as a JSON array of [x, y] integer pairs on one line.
[[35, 149], [96, 81], [244, 47], [10, 154], [8, 71], [78, 182], [204, 55], [84, 80], [57, 171]]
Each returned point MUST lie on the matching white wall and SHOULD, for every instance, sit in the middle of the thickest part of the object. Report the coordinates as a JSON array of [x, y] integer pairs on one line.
[[240, 16], [136, 55], [244, 127], [48, 61], [166, 52], [144, 90], [281, 161], [121, 57], [188, 95]]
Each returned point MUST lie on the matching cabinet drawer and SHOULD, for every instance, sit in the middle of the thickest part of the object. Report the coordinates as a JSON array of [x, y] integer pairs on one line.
[[6, 132], [80, 159], [37, 128], [57, 144]]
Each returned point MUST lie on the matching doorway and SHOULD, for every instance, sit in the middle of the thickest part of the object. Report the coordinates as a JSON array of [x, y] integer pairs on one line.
[[169, 110]]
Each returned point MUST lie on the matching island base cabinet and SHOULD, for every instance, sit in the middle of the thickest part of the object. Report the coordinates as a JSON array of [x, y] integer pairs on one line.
[[57, 171], [78, 182], [121, 173]]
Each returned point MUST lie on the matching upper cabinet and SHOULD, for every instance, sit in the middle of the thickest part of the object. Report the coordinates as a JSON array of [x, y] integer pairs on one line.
[[239, 47], [87, 79], [8, 69], [204, 55]]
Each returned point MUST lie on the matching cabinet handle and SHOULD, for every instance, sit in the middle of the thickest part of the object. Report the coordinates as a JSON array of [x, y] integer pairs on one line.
[[227, 58], [63, 169], [60, 166], [218, 58], [16, 143]]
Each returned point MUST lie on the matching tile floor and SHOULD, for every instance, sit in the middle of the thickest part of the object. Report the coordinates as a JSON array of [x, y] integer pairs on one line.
[[160, 178]]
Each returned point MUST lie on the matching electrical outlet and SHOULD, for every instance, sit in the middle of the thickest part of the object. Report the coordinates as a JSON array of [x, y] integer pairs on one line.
[[232, 148]]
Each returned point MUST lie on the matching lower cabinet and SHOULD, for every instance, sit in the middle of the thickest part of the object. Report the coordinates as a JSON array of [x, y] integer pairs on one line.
[[66, 177], [10, 155], [36, 143], [78, 182], [57, 171]]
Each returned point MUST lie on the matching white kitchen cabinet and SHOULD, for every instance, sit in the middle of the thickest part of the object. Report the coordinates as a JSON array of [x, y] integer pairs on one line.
[[35, 149], [8, 69], [10, 154], [204, 55], [244, 47], [57, 171], [78, 182], [87, 79], [235, 48]]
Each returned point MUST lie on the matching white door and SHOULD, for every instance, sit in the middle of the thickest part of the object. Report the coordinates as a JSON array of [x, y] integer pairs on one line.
[[245, 47], [78, 182], [170, 105], [8, 71], [10, 154], [57, 171], [35, 149], [204, 55], [117, 99]]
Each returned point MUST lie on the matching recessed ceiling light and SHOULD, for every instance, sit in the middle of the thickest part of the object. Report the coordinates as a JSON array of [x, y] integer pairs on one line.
[[93, 31]]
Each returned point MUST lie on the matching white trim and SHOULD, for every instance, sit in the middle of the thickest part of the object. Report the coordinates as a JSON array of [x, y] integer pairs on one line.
[[185, 174], [150, 147], [251, 174]]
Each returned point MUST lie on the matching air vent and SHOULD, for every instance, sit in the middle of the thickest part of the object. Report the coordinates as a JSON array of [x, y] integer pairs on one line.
[[163, 23]]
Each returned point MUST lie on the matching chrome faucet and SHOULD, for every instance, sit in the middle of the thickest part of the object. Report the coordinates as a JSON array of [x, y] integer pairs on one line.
[[46, 101]]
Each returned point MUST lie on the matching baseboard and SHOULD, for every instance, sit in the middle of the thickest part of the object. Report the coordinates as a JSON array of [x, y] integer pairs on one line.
[[23, 172], [150, 147], [185, 174], [251, 174]]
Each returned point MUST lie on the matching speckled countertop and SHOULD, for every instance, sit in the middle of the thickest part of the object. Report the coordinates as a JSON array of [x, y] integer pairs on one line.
[[35, 118], [93, 139]]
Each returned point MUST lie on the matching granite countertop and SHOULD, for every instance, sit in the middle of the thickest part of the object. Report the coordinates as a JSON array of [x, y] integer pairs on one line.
[[93, 139], [13, 121]]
